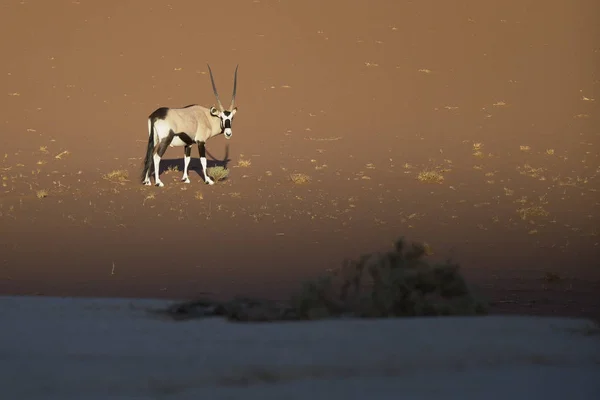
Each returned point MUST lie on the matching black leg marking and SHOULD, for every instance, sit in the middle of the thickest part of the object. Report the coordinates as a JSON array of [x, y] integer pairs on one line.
[[187, 151], [185, 138], [202, 149], [164, 144], [147, 170]]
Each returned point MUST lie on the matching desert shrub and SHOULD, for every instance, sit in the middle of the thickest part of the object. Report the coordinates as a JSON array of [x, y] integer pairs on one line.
[[217, 173], [300, 179], [119, 176], [398, 283]]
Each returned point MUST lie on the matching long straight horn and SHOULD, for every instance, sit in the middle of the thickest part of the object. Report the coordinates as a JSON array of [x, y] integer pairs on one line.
[[215, 88], [234, 88]]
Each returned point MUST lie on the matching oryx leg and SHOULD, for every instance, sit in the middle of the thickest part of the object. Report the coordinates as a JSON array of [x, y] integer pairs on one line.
[[186, 163], [202, 151], [160, 151], [147, 178], [149, 152]]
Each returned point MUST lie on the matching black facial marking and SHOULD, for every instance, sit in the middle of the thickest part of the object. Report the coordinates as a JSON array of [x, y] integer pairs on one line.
[[228, 123], [159, 113], [185, 138], [188, 151], [164, 144], [227, 113]]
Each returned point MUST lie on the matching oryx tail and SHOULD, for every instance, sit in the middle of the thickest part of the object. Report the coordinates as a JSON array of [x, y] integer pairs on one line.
[[148, 160]]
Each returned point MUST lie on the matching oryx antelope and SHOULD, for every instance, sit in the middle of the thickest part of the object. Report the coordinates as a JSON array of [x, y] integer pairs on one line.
[[175, 127]]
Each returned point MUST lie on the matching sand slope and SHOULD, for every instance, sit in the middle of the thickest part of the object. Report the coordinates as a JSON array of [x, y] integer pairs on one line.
[[472, 126]]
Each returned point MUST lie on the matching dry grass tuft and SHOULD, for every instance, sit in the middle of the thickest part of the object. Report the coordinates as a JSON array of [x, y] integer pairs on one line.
[[148, 197], [41, 193], [430, 176], [477, 150], [119, 175], [552, 277], [62, 154], [199, 195], [530, 212], [300, 179], [508, 192], [244, 163], [217, 173]]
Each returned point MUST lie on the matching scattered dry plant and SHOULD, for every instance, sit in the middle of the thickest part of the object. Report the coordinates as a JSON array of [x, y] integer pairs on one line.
[[527, 213], [477, 150], [300, 179], [148, 197], [62, 154], [119, 176], [217, 173], [430, 176]]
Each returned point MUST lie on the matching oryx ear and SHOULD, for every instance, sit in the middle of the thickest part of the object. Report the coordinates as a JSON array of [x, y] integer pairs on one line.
[[233, 111], [214, 112]]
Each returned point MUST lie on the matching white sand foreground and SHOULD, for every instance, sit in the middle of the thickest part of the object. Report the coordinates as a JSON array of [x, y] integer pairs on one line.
[[63, 348]]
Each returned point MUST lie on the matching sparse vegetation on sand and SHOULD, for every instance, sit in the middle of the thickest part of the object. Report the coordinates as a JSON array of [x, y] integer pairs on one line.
[[527, 213], [60, 155], [41, 193], [119, 175], [430, 176], [300, 179], [217, 173], [399, 283], [244, 163]]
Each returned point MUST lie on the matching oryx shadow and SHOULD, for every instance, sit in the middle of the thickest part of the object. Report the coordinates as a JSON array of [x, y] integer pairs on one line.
[[195, 166]]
